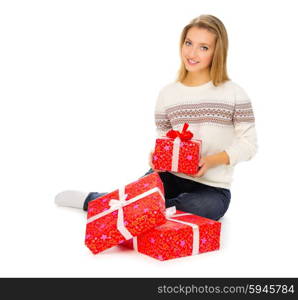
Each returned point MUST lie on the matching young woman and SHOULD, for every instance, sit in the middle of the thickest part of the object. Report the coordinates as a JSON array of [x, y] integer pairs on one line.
[[218, 111]]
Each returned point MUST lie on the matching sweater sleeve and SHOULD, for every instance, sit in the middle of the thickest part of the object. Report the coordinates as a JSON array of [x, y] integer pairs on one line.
[[162, 122], [244, 145]]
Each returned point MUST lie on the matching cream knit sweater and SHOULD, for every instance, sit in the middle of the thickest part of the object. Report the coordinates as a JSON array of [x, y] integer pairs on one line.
[[222, 117]]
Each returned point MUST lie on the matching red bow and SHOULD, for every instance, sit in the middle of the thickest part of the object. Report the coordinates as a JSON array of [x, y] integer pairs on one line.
[[184, 135]]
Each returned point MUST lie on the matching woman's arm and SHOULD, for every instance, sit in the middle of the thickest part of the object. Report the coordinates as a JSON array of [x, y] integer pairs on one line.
[[211, 161], [244, 145]]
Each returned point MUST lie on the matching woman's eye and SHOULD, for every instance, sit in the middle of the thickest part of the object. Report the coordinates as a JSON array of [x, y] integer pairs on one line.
[[204, 47]]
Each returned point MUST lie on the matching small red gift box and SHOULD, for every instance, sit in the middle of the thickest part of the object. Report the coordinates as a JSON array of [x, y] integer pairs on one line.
[[177, 152], [125, 213], [183, 234]]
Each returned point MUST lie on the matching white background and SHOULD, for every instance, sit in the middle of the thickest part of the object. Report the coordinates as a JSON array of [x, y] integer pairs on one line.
[[79, 81]]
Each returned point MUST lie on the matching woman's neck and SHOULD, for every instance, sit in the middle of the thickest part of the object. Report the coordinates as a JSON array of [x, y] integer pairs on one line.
[[193, 80]]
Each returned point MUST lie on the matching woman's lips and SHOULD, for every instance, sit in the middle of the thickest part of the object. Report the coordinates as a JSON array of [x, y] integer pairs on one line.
[[192, 62]]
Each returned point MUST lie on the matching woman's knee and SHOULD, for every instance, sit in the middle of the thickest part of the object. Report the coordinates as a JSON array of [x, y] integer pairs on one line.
[[208, 206], [218, 204]]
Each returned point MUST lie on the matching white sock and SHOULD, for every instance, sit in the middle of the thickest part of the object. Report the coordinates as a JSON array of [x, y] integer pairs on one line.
[[71, 198]]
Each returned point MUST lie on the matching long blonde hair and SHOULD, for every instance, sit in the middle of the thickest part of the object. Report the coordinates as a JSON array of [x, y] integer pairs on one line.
[[218, 68]]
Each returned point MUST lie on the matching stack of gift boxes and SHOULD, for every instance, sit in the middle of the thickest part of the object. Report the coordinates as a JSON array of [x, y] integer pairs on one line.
[[135, 215]]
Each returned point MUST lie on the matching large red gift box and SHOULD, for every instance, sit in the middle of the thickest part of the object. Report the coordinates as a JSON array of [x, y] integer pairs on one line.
[[125, 213], [177, 152], [183, 234]]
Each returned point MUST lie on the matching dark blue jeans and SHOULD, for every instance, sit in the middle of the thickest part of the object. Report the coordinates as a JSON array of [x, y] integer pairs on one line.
[[189, 196]]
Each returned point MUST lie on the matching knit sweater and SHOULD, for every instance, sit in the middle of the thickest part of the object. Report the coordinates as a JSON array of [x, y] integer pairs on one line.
[[221, 116]]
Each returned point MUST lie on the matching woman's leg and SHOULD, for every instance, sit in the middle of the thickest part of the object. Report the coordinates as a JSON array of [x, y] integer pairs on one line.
[[198, 199], [186, 195], [170, 183], [79, 199], [193, 197], [206, 201]]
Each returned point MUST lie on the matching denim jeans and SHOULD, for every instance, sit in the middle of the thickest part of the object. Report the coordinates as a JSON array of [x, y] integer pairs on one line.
[[189, 196]]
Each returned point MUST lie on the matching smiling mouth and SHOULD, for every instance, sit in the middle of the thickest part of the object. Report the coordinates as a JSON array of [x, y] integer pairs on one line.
[[192, 62]]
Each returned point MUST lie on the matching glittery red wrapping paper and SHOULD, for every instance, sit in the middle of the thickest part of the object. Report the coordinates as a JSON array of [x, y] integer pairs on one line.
[[189, 155], [139, 216], [173, 239]]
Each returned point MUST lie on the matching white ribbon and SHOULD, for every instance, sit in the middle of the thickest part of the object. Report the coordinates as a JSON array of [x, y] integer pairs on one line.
[[118, 204], [170, 214], [175, 155]]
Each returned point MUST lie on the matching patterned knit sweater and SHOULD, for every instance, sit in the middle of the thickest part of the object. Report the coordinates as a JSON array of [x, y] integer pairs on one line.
[[222, 117]]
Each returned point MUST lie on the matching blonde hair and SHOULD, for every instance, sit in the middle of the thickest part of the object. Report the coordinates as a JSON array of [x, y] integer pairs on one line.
[[218, 68]]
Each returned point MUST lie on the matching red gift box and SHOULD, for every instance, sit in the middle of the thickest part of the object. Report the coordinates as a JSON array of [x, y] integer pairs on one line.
[[183, 234], [177, 152], [125, 213]]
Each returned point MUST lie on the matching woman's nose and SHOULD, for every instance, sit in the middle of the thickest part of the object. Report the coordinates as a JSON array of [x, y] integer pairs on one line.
[[193, 52]]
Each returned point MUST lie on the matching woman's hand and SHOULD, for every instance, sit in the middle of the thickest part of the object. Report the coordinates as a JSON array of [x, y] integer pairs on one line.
[[204, 165], [151, 164], [211, 161]]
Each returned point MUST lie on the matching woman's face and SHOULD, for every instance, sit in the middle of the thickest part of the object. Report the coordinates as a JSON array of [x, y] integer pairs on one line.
[[199, 47]]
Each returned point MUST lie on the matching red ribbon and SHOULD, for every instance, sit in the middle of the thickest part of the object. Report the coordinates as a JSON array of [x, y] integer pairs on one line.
[[184, 135]]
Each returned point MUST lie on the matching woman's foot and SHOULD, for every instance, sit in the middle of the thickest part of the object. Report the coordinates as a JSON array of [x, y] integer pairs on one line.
[[71, 198]]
